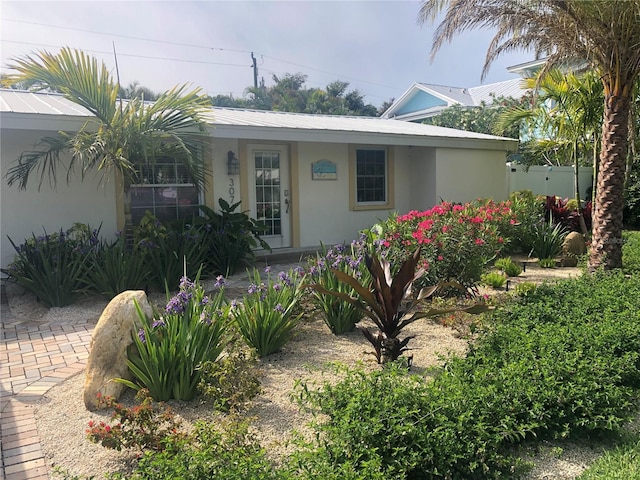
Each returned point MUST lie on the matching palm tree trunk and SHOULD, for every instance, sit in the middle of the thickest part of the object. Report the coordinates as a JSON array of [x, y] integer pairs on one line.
[[606, 242]]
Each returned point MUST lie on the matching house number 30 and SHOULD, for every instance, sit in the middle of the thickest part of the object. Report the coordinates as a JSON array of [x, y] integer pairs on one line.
[[232, 190]]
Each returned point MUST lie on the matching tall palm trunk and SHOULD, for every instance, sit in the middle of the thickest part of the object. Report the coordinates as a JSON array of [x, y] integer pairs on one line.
[[606, 242]]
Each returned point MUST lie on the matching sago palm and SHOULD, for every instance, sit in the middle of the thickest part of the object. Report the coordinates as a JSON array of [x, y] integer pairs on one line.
[[120, 136], [604, 33]]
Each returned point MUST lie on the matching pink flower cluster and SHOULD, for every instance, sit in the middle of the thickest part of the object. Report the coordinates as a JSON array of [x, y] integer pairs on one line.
[[452, 237]]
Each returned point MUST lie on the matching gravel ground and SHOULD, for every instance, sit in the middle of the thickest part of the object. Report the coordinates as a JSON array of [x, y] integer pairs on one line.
[[62, 418]]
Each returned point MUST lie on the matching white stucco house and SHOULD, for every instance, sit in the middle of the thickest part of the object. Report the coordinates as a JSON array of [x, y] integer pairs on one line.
[[310, 178]]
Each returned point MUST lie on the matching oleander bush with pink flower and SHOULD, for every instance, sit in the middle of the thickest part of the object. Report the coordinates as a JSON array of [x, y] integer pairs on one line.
[[456, 241]]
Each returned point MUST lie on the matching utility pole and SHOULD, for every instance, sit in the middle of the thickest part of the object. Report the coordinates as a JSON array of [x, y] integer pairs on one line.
[[255, 71]]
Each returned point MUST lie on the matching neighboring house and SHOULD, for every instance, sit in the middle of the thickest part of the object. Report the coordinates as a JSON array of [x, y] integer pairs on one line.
[[423, 100], [310, 178]]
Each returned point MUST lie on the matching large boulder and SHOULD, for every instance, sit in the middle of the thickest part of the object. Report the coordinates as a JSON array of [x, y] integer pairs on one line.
[[574, 245], [108, 349]]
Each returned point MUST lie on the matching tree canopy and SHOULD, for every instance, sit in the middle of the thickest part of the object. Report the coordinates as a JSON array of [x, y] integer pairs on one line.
[[289, 94], [605, 34], [482, 118]]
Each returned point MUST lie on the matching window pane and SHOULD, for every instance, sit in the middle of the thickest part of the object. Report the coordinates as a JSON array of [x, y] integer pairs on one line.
[[165, 190], [371, 175]]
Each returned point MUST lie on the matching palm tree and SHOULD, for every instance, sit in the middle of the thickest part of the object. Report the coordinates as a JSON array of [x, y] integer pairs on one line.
[[606, 34], [121, 136], [564, 119]]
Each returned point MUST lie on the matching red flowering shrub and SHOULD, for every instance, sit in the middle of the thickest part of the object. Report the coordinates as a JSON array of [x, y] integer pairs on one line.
[[456, 241], [145, 426]]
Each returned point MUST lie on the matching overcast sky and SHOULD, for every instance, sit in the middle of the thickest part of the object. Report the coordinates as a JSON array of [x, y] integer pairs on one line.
[[376, 46]]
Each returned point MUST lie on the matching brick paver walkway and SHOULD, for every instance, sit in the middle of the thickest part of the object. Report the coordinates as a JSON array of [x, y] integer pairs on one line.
[[33, 358]]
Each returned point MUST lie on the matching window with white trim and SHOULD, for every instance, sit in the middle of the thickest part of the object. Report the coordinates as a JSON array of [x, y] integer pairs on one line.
[[371, 176], [166, 191]]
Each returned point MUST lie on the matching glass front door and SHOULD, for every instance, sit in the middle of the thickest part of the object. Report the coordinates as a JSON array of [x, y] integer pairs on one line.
[[270, 192]]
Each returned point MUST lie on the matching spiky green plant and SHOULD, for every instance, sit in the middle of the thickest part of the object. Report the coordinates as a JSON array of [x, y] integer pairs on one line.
[[388, 303]]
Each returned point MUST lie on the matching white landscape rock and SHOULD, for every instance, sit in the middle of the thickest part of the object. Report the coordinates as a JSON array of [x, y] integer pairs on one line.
[[108, 349]]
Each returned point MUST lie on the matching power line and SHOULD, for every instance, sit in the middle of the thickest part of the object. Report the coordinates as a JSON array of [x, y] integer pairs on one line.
[[127, 36], [136, 55], [195, 46]]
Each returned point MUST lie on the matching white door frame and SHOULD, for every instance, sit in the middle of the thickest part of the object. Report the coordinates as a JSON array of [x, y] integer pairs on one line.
[[270, 191]]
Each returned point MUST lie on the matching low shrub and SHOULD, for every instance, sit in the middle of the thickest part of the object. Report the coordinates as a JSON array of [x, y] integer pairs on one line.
[[338, 315], [146, 426], [267, 317], [456, 241], [493, 279], [547, 263], [230, 237], [170, 349], [226, 450], [53, 266], [524, 289], [563, 360], [508, 266], [405, 427], [232, 381], [528, 210], [631, 252]]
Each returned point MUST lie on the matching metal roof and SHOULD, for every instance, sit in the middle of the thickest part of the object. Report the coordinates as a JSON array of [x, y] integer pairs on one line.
[[19, 101], [509, 89], [332, 123], [55, 107], [450, 94]]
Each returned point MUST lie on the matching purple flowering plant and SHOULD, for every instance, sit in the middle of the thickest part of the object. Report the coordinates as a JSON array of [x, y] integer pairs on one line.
[[165, 247], [53, 266], [267, 316], [340, 316], [170, 347]]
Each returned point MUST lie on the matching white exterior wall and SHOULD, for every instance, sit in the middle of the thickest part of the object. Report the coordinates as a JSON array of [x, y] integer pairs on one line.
[[463, 175], [224, 186], [423, 178], [547, 180], [325, 215], [24, 212], [404, 173]]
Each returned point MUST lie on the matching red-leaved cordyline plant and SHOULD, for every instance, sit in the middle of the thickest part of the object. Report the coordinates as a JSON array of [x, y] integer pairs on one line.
[[388, 304]]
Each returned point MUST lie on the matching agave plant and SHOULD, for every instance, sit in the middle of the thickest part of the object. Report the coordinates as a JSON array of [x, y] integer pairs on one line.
[[388, 303]]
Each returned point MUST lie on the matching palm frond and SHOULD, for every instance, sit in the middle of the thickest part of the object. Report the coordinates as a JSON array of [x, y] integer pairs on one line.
[[605, 33], [118, 139], [79, 77], [43, 163]]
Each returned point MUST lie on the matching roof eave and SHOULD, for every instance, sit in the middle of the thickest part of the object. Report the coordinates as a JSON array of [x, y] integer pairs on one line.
[[247, 132]]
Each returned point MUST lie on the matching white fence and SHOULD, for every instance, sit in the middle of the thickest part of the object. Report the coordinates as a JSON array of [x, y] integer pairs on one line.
[[547, 180]]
